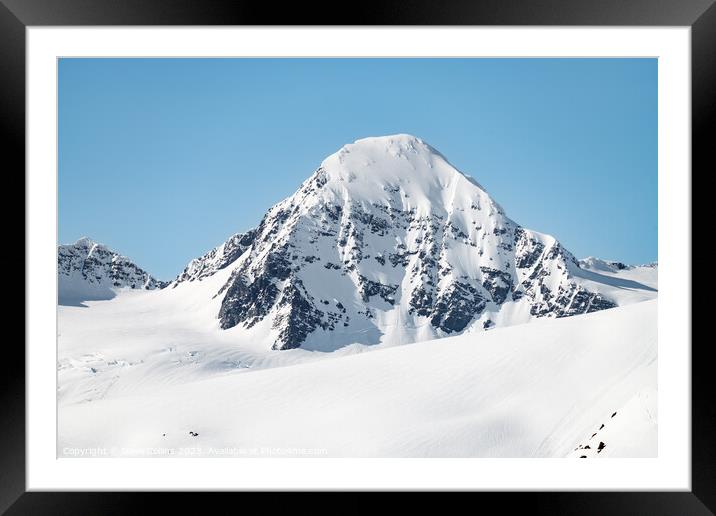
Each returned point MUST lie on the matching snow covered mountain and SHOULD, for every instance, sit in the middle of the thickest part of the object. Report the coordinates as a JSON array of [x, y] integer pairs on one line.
[[597, 264], [385, 244], [216, 259], [87, 270], [388, 242]]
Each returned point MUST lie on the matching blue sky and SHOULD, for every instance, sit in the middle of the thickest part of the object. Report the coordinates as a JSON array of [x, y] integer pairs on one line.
[[163, 159]]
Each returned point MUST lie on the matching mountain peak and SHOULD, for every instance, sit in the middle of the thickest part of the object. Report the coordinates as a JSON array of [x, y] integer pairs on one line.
[[388, 242], [393, 146], [84, 242], [399, 139], [87, 271], [399, 170]]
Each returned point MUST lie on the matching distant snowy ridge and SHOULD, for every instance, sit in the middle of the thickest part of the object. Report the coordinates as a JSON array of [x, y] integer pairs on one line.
[[593, 263], [388, 242], [87, 270]]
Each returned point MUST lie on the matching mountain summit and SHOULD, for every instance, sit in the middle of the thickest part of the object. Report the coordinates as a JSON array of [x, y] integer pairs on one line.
[[388, 242]]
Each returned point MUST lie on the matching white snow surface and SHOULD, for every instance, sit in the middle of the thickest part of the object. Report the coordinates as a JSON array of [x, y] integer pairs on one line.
[[622, 283], [149, 366], [535, 390]]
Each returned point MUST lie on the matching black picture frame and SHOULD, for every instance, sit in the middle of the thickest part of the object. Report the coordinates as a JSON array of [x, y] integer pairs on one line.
[[16, 15]]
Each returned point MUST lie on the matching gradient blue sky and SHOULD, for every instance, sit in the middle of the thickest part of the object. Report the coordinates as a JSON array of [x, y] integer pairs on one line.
[[163, 159]]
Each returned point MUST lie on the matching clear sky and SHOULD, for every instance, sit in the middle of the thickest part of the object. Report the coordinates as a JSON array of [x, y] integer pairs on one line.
[[163, 159]]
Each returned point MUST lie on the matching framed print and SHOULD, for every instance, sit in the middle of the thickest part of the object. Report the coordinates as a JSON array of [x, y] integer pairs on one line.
[[442, 249]]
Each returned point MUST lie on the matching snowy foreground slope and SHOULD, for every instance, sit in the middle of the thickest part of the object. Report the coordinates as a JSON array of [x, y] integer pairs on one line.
[[535, 390]]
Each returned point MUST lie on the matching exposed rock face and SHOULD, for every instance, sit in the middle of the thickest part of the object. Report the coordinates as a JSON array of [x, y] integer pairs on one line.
[[87, 270], [216, 259], [386, 240]]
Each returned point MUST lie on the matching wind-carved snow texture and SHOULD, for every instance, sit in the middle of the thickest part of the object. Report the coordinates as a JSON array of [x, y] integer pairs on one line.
[[87, 271], [387, 240]]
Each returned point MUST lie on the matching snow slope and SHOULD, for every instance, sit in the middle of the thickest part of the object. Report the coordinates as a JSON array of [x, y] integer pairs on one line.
[[536, 390], [624, 283]]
